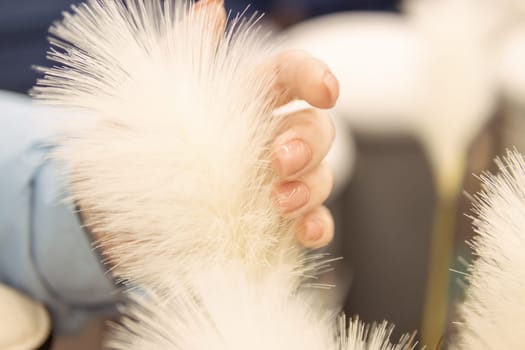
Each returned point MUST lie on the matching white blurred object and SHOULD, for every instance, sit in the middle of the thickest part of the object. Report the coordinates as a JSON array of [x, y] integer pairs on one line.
[[25, 324], [459, 90], [409, 74], [435, 70], [341, 157], [378, 61], [511, 72]]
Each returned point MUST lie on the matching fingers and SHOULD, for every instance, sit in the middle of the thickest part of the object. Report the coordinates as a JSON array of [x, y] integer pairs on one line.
[[303, 144], [300, 76], [316, 229], [305, 139], [298, 197]]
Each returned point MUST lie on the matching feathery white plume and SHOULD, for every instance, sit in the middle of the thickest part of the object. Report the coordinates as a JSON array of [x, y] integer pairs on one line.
[[179, 147], [492, 316], [174, 166]]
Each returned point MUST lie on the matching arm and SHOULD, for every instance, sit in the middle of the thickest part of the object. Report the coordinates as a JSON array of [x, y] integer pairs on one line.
[[44, 251]]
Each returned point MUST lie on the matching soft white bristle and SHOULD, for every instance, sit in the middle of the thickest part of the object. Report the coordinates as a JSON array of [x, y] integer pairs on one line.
[[244, 318], [228, 308], [178, 154], [360, 336], [492, 314], [173, 169]]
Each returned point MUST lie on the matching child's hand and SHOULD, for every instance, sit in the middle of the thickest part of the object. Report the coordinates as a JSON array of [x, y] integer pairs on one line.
[[304, 140], [302, 144]]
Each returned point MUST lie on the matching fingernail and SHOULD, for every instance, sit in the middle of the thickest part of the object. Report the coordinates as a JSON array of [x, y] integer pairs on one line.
[[332, 84], [292, 157], [291, 196], [313, 230]]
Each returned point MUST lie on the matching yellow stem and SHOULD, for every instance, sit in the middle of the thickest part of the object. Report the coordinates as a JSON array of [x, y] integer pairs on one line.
[[449, 182]]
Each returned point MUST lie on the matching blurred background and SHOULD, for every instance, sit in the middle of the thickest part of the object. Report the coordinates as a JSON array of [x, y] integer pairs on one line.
[[431, 92]]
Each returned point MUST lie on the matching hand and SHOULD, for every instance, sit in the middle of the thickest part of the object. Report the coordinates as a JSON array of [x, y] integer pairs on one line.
[[304, 139]]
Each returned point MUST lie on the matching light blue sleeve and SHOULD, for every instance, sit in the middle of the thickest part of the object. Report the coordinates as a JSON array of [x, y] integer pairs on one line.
[[44, 250]]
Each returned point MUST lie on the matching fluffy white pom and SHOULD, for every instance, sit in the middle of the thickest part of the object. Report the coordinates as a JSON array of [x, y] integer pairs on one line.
[[492, 314], [175, 166]]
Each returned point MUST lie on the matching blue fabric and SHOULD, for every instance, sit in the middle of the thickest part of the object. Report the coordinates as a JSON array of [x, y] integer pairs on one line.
[[44, 251]]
